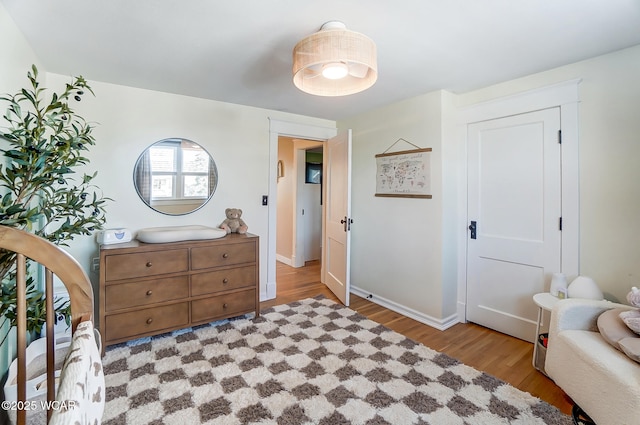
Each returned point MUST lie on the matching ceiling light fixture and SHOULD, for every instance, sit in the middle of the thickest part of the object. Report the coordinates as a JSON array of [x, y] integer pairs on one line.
[[335, 70], [334, 62]]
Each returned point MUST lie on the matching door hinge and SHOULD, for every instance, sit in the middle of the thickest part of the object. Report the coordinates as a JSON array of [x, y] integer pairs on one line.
[[560, 136], [560, 224]]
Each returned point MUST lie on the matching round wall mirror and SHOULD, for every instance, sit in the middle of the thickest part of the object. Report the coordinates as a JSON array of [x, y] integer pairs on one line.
[[175, 176]]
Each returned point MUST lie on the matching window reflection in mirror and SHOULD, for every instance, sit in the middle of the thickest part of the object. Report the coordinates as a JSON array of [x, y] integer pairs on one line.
[[175, 176]]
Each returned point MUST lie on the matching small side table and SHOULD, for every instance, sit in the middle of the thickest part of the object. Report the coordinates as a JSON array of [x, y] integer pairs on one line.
[[545, 302]]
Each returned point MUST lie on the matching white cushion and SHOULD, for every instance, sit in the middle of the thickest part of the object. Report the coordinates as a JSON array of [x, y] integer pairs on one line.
[[599, 378], [179, 233]]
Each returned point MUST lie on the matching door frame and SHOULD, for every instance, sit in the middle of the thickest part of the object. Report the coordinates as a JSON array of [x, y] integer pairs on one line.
[[289, 129], [564, 95], [299, 157]]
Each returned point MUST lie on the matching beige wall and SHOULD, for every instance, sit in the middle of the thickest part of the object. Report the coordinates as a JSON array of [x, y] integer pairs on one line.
[[397, 243], [286, 198], [17, 56]]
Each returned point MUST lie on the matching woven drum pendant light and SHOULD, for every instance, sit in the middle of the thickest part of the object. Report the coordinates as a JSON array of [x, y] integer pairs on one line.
[[334, 62]]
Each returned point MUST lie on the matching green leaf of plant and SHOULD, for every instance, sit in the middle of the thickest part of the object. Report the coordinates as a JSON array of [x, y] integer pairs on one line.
[[43, 141]]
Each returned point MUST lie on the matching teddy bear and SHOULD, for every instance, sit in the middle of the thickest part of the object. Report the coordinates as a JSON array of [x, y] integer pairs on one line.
[[233, 223], [632, 317]]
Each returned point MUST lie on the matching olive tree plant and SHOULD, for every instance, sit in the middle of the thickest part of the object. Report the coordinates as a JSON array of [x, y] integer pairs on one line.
[[42, 143]]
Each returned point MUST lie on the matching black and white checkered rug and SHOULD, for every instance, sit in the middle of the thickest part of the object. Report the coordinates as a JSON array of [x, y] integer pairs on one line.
[[308, 362]]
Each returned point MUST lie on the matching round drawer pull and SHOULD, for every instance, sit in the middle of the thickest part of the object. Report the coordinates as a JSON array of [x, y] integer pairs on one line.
[[149, 320], [149, 292], [225, 280], [149, 264], [225, 305], [225, 255]]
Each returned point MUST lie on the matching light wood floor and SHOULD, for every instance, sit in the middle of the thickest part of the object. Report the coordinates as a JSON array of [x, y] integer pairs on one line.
[[498, 354]]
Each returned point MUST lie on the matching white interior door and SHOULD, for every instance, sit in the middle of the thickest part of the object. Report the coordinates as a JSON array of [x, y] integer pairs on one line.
[[337, 216], [514, 209]]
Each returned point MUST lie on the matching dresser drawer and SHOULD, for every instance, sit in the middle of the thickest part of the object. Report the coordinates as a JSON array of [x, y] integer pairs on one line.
[[222, 255], [126, 266], [146, 292], [228, 305], [126, 325], [223, 280]]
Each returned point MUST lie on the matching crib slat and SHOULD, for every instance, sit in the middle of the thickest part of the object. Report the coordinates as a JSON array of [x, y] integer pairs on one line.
[[21, 325], [51, 351]]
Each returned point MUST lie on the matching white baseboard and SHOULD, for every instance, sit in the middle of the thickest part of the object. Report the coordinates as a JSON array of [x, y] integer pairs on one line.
[[268, 292], [285, 260], [440, 324], [462, 312]]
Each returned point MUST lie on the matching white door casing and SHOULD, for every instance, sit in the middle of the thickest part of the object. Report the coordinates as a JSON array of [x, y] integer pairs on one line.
[[281, 128], [514, 206], [564, 95], [337, 216]]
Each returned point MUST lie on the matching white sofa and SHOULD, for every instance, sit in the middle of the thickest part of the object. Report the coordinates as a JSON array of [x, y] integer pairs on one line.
[[600, 379]]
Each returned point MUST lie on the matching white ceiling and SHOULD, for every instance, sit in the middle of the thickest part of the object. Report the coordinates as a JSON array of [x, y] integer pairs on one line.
[[240, 51]]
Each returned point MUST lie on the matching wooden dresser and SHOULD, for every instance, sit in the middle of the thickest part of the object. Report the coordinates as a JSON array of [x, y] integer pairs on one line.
[[147, 289]]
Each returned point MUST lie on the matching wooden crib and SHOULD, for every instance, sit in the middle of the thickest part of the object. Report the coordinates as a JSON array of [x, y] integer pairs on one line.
[[81, 391]]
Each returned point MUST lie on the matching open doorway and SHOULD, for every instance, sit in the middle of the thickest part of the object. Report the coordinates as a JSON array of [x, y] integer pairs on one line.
[[310, 205], [336, 211], [299, 201], [278, 129]]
